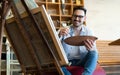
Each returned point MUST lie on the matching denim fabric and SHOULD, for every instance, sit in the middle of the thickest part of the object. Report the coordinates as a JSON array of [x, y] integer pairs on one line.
[[65, 71], [89, 63]]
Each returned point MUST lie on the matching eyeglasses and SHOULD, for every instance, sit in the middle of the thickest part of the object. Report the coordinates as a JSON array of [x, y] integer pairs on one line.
[[79, 16]]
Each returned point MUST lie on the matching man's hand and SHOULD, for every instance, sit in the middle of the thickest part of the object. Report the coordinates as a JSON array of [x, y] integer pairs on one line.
[[89, 44], [64, 31]]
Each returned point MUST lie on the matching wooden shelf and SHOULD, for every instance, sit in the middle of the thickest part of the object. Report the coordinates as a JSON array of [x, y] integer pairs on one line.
[[54, 8]]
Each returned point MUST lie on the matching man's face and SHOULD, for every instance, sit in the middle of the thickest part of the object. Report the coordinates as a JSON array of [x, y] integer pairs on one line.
[[78, 18]]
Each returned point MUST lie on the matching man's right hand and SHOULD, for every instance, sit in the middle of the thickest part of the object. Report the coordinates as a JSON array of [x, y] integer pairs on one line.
[[64, 31]]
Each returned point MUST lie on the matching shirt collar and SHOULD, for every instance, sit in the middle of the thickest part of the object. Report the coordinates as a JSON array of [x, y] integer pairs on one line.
[[82, 28]]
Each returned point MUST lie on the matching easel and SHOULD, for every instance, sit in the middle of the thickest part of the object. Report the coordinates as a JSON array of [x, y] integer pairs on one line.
[[34, 64]]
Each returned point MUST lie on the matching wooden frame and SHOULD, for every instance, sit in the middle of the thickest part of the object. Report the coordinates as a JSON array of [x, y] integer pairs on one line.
[[33, 48], [54, 36]]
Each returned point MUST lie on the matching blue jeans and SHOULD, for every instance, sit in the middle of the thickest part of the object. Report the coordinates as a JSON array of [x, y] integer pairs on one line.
[[89, 63]]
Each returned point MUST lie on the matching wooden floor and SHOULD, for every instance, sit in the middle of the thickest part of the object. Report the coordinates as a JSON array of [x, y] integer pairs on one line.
[[112, 69]]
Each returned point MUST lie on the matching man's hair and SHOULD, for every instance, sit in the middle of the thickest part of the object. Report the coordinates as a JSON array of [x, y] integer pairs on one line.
[[80, 8]]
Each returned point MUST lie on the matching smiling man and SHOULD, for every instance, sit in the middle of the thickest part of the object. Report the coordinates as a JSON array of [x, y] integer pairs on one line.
[[86, 55]]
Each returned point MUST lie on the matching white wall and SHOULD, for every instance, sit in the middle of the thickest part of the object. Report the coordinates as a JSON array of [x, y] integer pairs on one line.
[[103, 17]]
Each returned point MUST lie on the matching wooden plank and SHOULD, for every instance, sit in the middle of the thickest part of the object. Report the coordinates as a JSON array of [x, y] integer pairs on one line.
[[23, 15], [108, 53], [54, 37]]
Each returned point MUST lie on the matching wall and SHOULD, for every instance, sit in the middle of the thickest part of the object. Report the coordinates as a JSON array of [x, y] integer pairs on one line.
[[103, 17]]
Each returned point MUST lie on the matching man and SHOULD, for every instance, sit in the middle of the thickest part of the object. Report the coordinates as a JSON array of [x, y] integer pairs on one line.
[[86, 55]]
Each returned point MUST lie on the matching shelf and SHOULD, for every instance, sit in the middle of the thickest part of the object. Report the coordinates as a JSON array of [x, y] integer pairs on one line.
[[68, 1], [3, 56], [67, 10], [53, 1], [3, 65], [60, 10], [53, 9], [3, 48], [14, 62], [9, 62], [55, 20]]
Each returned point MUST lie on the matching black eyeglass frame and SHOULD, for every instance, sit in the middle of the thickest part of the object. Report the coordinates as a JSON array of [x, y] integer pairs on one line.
[[79, 16]]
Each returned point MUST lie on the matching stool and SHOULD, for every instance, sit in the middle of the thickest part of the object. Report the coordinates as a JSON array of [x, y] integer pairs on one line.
[[76, 70]]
